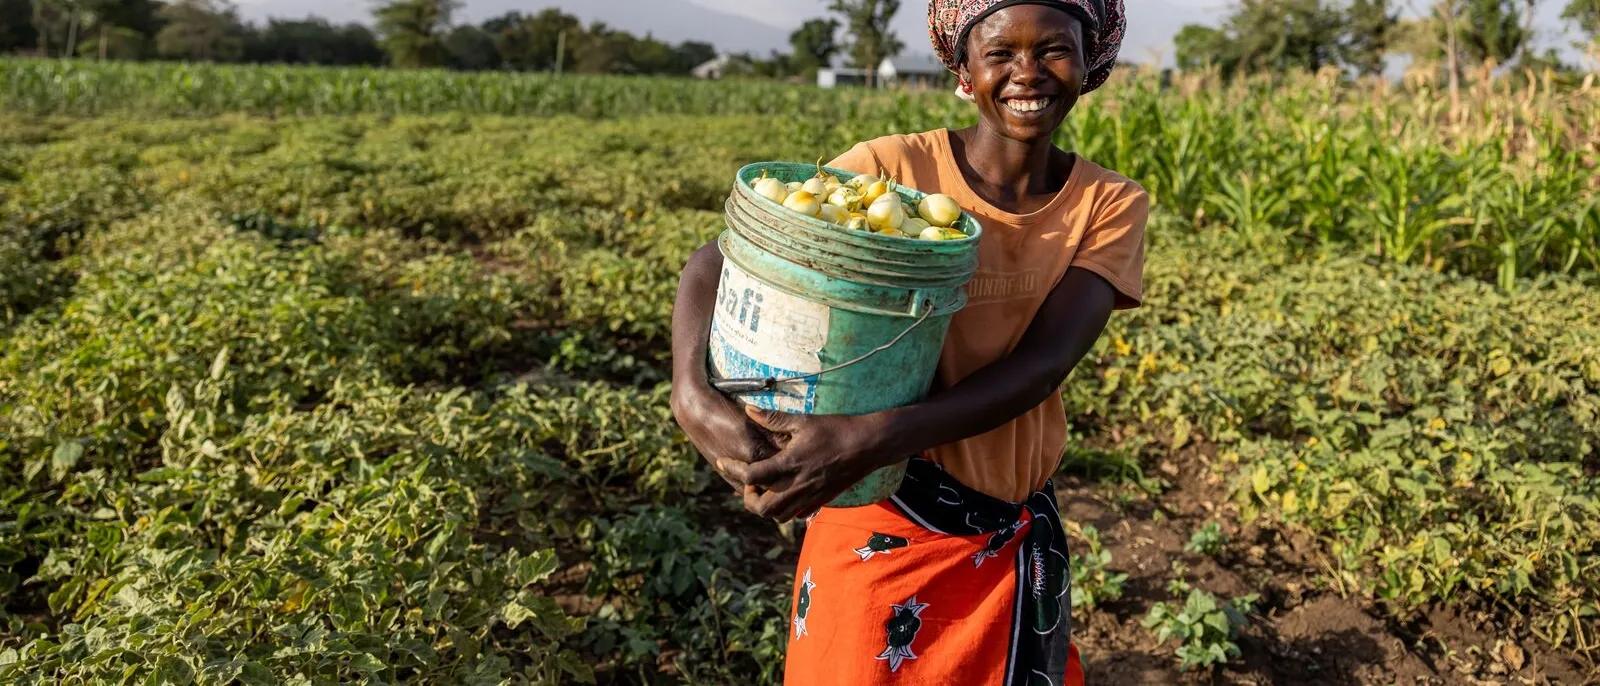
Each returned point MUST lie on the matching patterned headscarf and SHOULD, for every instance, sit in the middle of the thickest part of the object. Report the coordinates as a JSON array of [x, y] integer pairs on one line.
[[1103, 25]]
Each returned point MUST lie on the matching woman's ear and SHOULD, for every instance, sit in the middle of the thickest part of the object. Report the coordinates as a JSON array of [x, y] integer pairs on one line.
[[964, 84]]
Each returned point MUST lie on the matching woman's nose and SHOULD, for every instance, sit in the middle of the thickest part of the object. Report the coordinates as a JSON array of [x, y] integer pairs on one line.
[[1027, 70]]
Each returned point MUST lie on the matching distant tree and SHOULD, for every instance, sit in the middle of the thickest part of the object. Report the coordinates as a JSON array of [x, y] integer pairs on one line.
[[1549, 59], [1584, 14], [650, 56], [412, 31], [1490, 29], [55, 25], [16, 26], [206, 30], [1266, 35], [313, 41], [119, 29], [601, 50], [512, 40], [1277, 35], [1202, 46], [1369, 32], [110, 42], [776, 66], [692, 54], [814, 44], [530, 42], [358, 45], [868, 24], [471, 48]]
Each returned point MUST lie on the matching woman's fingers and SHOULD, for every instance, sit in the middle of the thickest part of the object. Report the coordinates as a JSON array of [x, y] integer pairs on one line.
[[783, 506], [775, 473], [752, 500], [775, 422]]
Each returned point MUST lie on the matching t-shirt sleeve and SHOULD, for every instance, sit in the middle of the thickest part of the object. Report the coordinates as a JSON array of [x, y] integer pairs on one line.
[[1114, 246], [859, 159]]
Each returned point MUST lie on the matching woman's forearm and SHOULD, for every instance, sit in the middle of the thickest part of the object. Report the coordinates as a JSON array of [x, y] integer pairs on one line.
[[1066, 328], [691, 324]]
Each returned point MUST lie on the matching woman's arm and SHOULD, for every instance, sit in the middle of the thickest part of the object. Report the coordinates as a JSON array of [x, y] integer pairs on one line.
[[713, 422], [1065, 329], [822, 455]]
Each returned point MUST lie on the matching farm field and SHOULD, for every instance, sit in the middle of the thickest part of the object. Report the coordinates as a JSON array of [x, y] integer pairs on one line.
[[313, 375]]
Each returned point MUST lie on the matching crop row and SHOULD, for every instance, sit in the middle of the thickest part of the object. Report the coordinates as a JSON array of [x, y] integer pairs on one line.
[[1506, 188]]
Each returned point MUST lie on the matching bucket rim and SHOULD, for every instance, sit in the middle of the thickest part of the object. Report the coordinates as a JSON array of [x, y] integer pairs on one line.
[[968, 223], [946, 308]]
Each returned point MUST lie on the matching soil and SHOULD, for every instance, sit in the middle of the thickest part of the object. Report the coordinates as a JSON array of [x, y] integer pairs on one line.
[[1302, 630]]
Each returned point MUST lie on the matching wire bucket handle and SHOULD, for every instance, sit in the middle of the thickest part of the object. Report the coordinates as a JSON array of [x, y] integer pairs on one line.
[[758, 385]]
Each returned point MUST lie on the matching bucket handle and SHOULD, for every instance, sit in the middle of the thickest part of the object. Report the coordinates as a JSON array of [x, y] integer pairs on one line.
[[757, 385]]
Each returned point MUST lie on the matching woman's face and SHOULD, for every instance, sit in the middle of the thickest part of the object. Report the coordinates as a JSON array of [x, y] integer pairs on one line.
[[1026, 67]]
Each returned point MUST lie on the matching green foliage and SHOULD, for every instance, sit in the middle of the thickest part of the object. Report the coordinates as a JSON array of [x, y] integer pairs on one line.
[[1277, 35], [1206, 540], [1204, 627], [1585, 14], [867, 22], [1301, 168], [1093, 581], [376, 392], [265, 445], [1371, 27], [814, 44], [530, 43], [200, 30], [29, 280], [1364, 178], [413, 31], [1197, 47], [312, 41], [1437, 431], [1490, 29]]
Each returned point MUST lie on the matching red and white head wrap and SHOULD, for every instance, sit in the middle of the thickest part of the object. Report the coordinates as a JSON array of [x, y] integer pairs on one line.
[[1103, 26]]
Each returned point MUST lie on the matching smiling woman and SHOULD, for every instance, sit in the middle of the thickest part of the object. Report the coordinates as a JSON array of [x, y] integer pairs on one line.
[[960, 577]]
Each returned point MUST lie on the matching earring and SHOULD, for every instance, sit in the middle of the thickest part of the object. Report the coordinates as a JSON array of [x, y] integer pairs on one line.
[[966, 87]]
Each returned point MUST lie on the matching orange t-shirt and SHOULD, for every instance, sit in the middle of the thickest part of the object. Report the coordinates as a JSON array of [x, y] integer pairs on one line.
[[1095, 222]]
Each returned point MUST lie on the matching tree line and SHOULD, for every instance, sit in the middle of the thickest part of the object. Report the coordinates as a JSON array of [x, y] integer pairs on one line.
[[420, 33], [1254, 36], [405, 33], [1276, 35]]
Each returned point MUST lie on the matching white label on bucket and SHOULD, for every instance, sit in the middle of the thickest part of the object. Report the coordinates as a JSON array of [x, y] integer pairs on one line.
[[759, 331]]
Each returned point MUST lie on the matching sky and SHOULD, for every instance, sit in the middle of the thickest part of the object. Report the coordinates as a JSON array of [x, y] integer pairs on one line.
[[761, 26]]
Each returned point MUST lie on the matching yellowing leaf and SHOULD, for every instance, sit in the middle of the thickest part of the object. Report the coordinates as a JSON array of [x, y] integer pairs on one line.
[[1500, 366]]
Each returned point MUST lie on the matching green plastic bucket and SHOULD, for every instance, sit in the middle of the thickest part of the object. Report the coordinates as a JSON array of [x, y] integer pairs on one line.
[[814, 318]]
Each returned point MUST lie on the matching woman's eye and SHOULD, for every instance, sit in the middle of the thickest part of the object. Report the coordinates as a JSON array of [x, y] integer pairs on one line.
[[998, 55], [1058, 52]]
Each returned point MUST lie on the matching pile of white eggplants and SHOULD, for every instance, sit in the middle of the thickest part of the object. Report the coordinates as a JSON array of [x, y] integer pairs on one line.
[[865, 203]]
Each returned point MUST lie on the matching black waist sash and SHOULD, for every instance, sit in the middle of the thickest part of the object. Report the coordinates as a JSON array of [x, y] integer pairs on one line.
[[1042, 625]]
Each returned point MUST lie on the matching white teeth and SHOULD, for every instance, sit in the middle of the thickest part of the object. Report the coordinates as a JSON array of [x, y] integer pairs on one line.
[[1028, 105]]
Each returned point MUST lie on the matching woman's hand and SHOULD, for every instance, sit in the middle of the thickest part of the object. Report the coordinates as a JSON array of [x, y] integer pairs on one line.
[[722, 433], [819, 457]]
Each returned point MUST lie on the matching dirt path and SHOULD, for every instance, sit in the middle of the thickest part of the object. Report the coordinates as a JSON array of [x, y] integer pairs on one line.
[[1302, 632]]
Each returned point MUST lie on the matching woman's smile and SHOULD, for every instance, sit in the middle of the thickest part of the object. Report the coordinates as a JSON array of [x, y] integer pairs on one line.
[[1031, 108]]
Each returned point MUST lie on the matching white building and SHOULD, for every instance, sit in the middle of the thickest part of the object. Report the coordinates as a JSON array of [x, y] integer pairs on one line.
[[713, 69], [915, 71], [908, 72], [830, 77]]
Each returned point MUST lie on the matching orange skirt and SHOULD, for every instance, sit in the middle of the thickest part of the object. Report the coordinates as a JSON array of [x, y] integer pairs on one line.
[[940, 584]]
